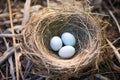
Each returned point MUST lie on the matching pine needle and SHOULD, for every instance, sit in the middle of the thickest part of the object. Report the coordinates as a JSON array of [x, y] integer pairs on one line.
[[14, 40], [110, 12]]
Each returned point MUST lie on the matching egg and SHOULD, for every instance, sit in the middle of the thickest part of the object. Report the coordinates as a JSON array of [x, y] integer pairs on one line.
[[68, 39], [56, 43], [66, 52]]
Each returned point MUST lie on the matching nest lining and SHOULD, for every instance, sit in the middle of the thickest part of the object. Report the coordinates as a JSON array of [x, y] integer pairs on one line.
[[54, 23]]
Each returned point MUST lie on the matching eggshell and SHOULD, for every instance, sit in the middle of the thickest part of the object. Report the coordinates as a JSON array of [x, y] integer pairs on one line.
[[66, 52], [68, 39], [55, 43]]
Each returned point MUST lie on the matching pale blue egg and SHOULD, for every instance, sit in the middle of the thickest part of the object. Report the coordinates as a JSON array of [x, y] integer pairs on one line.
[[56, 43], [66, 52], [68, 39]]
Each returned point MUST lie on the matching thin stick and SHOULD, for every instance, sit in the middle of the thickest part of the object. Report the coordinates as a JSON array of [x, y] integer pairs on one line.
[[48, 3], [10, 35], [118, 49], [14, 21], [110, 12], [2, 75], [117, 54], [14, 40], [101, 77], [8, 53]]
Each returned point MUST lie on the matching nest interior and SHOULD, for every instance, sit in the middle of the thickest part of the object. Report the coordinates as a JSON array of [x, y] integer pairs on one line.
[[82, 26], [72, 23]]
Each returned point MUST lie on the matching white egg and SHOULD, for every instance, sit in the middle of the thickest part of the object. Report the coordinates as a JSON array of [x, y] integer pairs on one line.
[[66, 52], [68, 39], [55, 43]]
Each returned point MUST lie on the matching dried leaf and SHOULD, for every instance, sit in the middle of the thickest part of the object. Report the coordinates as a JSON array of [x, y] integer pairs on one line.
[[26, 12]]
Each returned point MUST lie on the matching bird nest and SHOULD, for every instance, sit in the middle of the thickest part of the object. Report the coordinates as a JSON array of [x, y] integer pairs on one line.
[[53, 22]]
